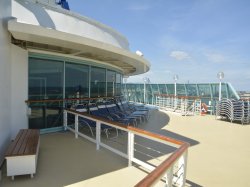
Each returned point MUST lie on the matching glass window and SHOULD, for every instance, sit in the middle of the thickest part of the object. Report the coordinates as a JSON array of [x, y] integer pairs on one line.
[[98, 82], [45, 79], [45, 82], [76, 80], [118, 84], [111, 83]]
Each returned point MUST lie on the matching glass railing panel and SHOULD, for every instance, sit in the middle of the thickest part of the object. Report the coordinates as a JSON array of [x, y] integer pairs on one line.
[[162, 89], [191, 89], [181, 90], [204, 90], [170, 88]]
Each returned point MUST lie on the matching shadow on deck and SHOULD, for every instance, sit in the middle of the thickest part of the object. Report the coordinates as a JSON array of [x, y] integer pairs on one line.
[[64, 160]]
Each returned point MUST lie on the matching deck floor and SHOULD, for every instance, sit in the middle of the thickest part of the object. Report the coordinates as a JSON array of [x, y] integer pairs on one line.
[[218, 156]]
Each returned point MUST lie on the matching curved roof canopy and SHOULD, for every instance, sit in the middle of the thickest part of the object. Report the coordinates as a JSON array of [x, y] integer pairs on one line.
[[94, 40]]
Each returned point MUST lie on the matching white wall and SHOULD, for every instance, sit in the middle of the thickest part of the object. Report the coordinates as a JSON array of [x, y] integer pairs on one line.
[[5, 128], [19, 89]]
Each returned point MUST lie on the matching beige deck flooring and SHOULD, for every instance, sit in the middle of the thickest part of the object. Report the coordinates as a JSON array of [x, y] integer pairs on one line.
[[220, 152], [218, 156]]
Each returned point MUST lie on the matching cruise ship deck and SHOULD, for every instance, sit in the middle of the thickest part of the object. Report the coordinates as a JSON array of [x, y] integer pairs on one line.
[[218, 155]]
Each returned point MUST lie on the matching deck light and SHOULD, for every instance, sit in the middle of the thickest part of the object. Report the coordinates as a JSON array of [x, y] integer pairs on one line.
[[220, 76], [139, 53]]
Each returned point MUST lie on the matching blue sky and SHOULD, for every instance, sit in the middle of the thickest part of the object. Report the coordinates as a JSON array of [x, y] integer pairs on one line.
[[192, 38]]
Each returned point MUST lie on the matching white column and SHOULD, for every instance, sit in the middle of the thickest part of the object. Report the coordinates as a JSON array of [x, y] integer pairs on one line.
[[130, 148], [98, 135]]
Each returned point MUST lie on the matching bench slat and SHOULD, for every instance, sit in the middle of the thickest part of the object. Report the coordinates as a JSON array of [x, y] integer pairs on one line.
[[32, 143], [25, 143], [13, 144], [19, 143]]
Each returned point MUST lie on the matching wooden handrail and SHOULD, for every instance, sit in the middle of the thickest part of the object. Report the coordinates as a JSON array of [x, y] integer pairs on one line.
[[66, 99], [131, 128], [160, 170]]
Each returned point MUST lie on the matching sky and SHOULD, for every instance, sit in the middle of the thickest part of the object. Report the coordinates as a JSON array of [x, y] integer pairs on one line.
[[194, 39]]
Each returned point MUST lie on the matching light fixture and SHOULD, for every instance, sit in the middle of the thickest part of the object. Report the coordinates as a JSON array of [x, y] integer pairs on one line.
[[176, 77], [139, 53], [220, 75]]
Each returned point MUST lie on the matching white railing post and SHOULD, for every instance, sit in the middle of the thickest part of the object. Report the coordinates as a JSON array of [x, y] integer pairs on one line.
[[76, 125], [98, 135], [65, 116], [181, 166], [185, 155], [169, 177], [130, 148]]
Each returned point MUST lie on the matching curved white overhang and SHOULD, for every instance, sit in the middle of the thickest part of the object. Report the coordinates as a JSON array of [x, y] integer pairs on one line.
[[46, 14], [47, 39]]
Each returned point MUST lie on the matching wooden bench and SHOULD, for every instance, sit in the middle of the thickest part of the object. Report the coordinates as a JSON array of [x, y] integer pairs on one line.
[[21, 155]]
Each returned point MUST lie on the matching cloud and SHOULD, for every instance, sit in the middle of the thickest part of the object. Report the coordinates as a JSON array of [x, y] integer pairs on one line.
[[216, 57], [142, 7], [179, 55]]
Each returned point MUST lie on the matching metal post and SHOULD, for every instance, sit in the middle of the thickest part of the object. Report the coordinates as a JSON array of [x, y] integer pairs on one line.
[[176, 77], [65, 116], [98, 135], [175, 90], [130, 148], [76, 126], [220, 76], [185, 155], [220, 91], [169, 177], [181, 172], [144, 93], [113, 79]]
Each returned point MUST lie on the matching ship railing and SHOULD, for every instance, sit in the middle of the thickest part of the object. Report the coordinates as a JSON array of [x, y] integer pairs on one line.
[[172, 170], [185, 105]]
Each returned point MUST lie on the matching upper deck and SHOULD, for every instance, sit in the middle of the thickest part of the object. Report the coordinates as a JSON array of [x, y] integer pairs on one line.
[[40, 25]]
